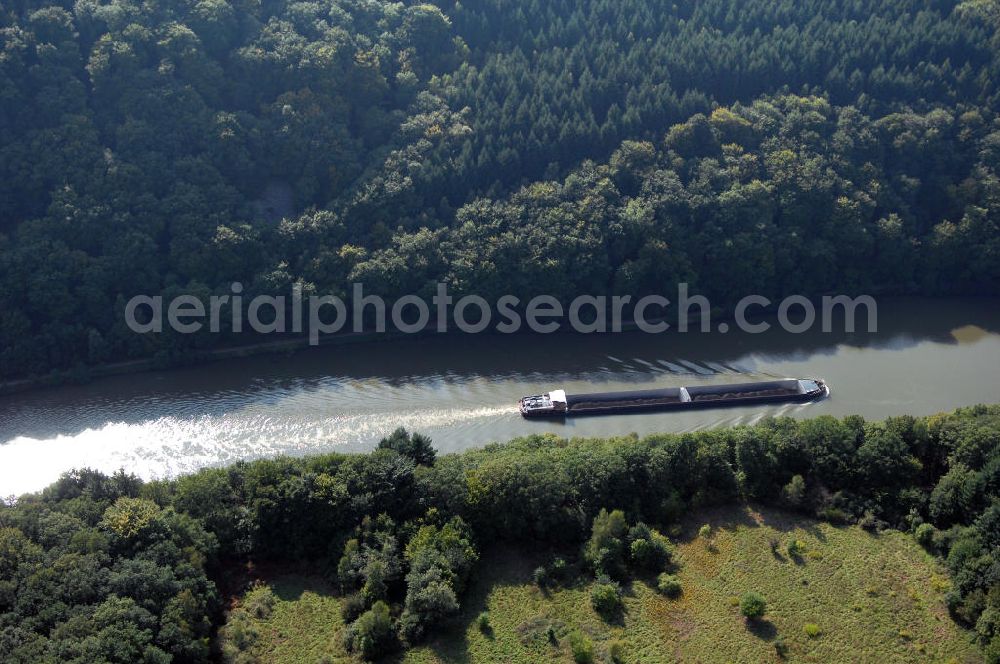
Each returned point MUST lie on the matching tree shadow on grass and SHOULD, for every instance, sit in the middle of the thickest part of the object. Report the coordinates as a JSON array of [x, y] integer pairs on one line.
[[785, 521], [614, 618], [290, 587], [731, 517], [723, 517], [812, 527], [762, 628], [451, 646], [450, 643]]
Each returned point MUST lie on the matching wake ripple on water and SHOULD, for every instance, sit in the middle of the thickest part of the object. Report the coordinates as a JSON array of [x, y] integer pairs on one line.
[[169, 446]]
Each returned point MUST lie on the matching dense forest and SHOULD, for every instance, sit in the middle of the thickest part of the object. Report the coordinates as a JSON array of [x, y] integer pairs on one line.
[[113, 569], [597, 146]]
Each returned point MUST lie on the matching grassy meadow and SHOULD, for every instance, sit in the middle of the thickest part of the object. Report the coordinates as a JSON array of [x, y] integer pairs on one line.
[[847, 596]]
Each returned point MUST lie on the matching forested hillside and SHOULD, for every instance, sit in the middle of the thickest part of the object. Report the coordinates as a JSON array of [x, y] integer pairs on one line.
[[606, 146], [555, 82], [111, 569]]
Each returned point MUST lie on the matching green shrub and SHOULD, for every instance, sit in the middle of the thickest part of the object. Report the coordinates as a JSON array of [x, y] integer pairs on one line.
[[649, 551], [833, 515], [540, 577], [441, 559], [780, 648], [669, 585], [794, 492], [259, 602], [414, 446], [924, 534], [430, 600], [705, 532], [348, 574], [752, 605], [352, 607], [795, 548], [558, 570], [616, 652], [606, 598], [605, 551], [988, 625], [483, 621], [812, 630], [870, 522], [240, 634], [371, 635], [672, 509], [375, 588], [581, 647], [992, 651], [130, 518]]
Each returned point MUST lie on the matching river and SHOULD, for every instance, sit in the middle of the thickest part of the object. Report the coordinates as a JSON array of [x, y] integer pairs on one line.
[[928, 356]]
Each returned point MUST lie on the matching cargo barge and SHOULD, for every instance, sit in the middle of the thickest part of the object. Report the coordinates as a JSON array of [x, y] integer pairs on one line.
[[559, 404]]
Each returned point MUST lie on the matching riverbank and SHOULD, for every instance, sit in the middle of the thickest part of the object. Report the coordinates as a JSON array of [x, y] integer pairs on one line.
[[463, 390]]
